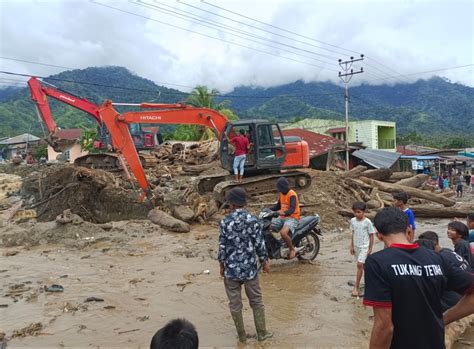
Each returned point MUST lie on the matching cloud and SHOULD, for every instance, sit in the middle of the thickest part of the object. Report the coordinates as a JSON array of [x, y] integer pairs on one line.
[[396, 37]]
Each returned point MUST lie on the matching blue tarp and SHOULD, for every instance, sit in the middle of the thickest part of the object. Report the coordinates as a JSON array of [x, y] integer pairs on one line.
[[420, 157], [466, 153]]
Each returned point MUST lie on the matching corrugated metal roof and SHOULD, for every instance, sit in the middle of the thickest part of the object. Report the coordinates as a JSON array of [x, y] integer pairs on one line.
[[377, 158], [70, 134], [318, 143], [24, 138], [336, 130]]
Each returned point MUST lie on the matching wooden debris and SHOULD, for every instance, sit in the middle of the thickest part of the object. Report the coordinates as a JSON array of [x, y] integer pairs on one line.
[[415, 181], [380, 174], [441, 212], [395, 188], [355, 172], [397, 176]]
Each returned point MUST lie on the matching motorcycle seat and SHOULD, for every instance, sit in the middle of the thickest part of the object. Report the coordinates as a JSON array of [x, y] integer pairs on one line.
[[307, 221]]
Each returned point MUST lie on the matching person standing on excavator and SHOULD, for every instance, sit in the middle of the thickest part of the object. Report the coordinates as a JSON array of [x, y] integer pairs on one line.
[[241, 144], [288, 208]]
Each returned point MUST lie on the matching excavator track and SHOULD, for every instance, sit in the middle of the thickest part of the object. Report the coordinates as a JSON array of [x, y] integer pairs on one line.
[[255, 185], [111, 162]]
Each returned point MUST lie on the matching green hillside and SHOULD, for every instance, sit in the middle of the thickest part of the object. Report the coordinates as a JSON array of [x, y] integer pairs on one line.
[[433, 108], [17, 111]]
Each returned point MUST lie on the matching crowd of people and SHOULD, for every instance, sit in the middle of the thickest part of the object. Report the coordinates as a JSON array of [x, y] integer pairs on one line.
[[415, 288], [460, 183]]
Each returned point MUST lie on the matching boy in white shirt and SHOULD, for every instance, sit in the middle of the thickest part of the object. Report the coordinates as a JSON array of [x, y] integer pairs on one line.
[[362, 240]]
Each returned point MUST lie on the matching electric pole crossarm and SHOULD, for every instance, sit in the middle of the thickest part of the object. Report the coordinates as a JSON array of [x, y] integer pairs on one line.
[[352, 73], [346, 77]]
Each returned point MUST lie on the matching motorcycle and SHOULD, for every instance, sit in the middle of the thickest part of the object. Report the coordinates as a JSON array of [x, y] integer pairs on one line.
[[305, 238]]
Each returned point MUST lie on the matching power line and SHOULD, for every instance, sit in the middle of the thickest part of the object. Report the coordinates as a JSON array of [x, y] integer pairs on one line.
[[37, 63], [287, 31], [252, 26], [202, 34], [279, 28], [168, 93], [201, 20], [69, 68], [424, 72]]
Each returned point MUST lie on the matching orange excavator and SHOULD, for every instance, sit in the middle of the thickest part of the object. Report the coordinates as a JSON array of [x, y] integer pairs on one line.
[[271, 155]]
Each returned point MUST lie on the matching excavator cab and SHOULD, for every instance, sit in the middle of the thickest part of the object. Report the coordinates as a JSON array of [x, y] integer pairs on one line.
[[267, 146]]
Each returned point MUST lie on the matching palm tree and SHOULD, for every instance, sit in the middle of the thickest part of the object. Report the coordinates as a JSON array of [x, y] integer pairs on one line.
[[203, 98]]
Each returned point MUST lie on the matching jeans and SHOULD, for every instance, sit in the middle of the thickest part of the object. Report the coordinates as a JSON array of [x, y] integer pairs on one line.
[[239, 163]]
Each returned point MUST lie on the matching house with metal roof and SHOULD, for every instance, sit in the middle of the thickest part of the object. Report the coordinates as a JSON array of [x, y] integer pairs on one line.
[[69, 140], [18, 144]]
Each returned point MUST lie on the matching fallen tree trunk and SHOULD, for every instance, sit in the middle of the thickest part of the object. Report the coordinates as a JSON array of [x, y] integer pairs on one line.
[[397, 176], [380, 174], [414, 182], [355, 172], [396, 188], [441, 212]]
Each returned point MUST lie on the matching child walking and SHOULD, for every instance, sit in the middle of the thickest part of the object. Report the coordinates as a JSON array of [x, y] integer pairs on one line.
[[362, 240]]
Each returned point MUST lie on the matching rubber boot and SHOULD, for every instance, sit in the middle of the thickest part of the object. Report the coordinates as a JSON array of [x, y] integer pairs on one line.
[[259, 318], [239, 325]]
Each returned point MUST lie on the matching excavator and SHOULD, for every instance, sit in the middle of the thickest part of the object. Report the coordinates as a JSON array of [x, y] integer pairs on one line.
[[105, 160], [271, 155]]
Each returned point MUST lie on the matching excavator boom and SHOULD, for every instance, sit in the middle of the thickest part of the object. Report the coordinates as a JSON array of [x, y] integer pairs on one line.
[[117, 124], [270, 151]]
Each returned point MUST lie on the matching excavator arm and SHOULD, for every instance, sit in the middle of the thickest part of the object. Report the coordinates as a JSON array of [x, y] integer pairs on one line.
[[40, 94], [117, 125]]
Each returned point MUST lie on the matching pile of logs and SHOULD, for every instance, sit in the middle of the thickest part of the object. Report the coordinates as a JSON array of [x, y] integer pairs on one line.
[[375, 187], [187, 153]]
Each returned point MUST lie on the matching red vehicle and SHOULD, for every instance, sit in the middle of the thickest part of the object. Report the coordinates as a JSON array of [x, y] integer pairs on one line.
[[270, 155]]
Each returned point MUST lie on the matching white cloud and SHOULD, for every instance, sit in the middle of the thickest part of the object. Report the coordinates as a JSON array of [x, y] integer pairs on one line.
[[408, 37]]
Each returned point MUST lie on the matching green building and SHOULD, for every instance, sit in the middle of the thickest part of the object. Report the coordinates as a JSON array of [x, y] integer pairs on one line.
[[374, 134]]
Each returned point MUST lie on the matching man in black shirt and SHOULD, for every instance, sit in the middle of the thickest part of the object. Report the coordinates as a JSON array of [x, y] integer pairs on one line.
[[430, 240], [404, 284]]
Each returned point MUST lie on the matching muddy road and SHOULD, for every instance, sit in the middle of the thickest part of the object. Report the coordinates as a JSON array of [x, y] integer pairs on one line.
[[141, 277]]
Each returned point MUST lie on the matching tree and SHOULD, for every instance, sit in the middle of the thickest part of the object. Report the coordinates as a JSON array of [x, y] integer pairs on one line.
[[201, 97]]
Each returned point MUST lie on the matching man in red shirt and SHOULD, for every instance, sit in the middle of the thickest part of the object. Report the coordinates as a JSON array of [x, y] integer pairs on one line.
[[241, 144]]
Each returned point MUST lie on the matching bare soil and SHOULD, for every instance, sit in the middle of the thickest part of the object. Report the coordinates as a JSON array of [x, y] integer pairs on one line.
[[146, 277]]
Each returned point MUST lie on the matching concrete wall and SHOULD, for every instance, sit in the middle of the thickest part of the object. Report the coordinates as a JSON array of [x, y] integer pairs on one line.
[[74, 152], [369, 132]]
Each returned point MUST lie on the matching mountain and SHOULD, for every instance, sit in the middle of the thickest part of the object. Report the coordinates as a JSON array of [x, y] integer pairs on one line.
[[434, 106], [426, 106], [17, 110]]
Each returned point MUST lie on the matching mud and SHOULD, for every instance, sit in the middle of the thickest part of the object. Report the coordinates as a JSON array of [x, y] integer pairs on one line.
[[97, 196], [147, 276]]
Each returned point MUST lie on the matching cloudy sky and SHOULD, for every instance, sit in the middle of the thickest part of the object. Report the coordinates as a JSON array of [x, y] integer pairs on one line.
[[223, 44]]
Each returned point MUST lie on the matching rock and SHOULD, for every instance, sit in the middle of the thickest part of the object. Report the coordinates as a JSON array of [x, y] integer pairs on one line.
[[373, 204], [94, 299], [212, 208], [184, 213], [168, 222], [68, 217], [54, 288]]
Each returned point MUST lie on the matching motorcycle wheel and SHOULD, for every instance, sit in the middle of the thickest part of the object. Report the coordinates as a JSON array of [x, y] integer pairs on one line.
[[311, 247]]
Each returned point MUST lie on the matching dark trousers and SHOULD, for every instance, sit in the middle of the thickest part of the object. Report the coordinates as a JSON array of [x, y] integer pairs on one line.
[[234, 293]]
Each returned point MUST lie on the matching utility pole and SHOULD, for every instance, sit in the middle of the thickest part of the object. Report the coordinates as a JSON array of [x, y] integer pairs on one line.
[[346, 77]]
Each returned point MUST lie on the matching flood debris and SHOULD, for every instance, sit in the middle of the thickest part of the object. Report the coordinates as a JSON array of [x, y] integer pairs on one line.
[[31, 330], [168, 222], [54, 288], [94, 299]]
